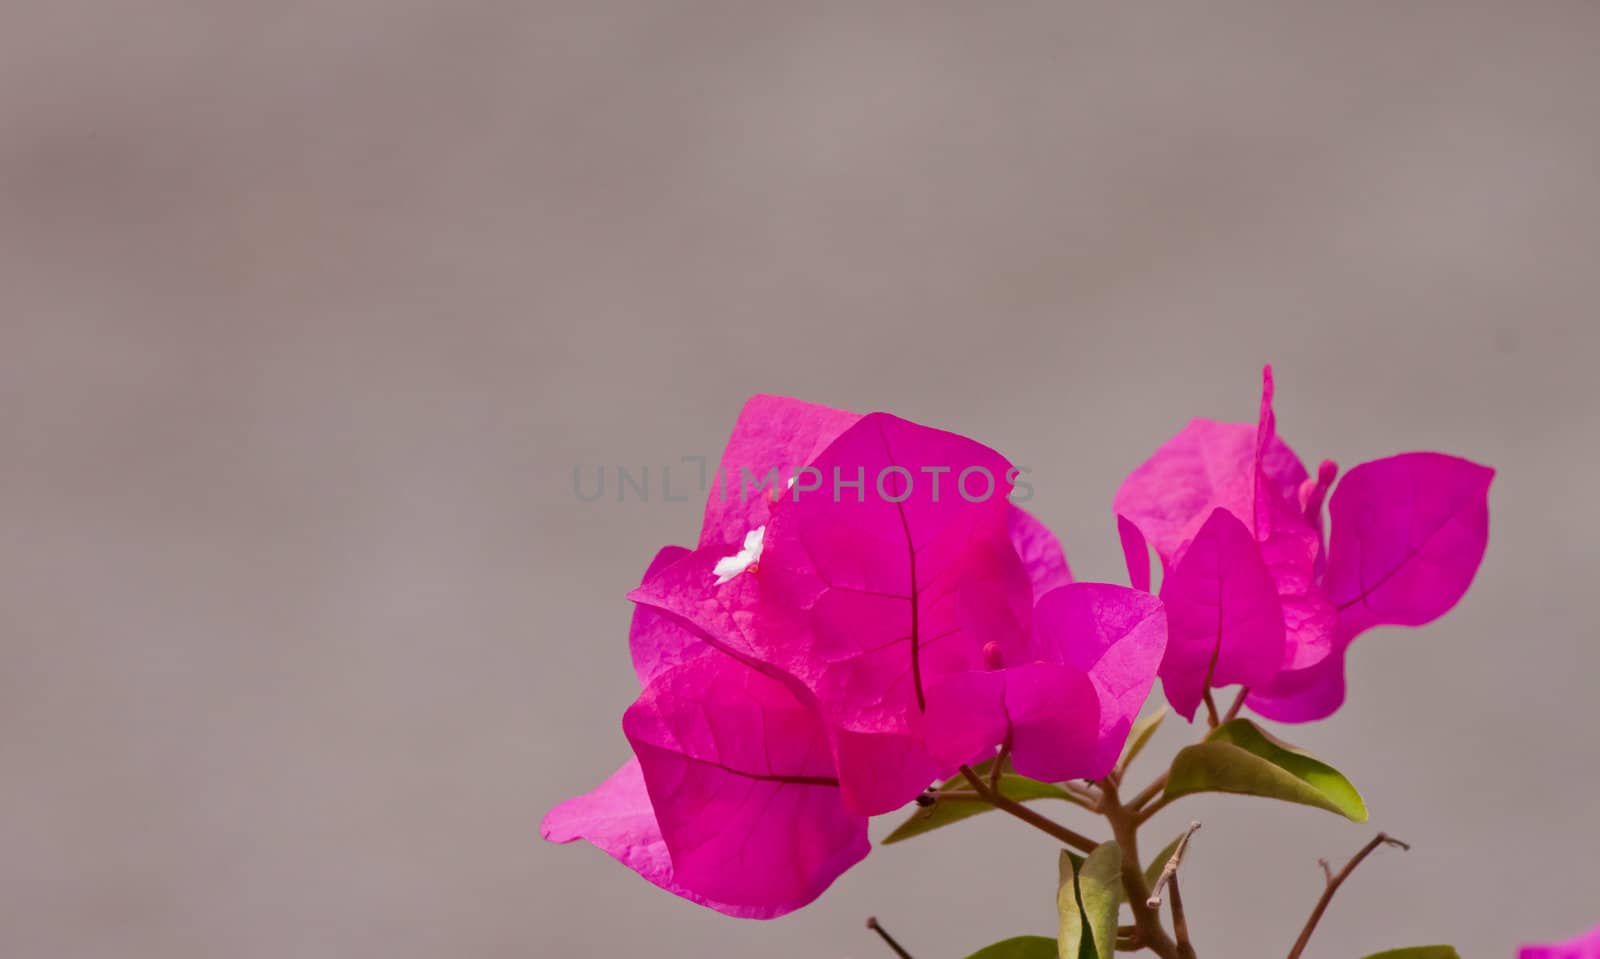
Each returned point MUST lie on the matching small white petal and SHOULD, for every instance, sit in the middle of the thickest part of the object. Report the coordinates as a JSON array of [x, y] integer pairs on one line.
[[730, 566]]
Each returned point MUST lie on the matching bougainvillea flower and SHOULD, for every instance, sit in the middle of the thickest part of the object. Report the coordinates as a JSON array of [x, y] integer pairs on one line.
[[1407, 534], [1407, 539], [1065, 699], [731, 801], [734, 799], [1586, 946], [892, 557]]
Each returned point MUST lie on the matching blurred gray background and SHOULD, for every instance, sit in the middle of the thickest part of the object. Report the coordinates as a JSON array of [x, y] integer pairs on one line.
[[310, 309]]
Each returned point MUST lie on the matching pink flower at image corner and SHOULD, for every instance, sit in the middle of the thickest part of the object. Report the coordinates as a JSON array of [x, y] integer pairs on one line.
[[804, 667], [1256, 597], [1586, 946]]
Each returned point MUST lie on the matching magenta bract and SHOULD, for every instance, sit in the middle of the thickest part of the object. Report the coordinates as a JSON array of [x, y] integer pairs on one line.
[[1407, 534], [742, 784], [618, 819]]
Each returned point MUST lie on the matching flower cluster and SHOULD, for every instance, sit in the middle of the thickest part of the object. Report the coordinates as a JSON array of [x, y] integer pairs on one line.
[[820, 659]]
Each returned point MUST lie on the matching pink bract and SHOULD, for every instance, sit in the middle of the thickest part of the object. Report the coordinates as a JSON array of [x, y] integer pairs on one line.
[[1224, 618], [617, 819], [1407, 535], [742, 784]]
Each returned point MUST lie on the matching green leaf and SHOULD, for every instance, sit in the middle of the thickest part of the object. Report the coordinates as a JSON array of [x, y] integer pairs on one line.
[[1140, 735], [1153, 871], [946, 811], [1418, 952], [1088, 898], [1239, 758], [1020, 947], [1071, 944]]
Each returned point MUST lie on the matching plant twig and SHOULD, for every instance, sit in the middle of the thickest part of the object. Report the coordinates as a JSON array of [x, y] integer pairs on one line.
[[872, 923], [1169, 873], [999, 764], [1125, 829], [1147, 813], [1180, 925], [1148, 793], [1076, 840], [1211, 709], [1238, 704], [1334, 881], [1129, 939]]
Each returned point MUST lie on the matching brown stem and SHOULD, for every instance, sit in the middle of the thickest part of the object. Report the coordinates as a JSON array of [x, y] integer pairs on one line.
[[1138, 894], [1148, 793], [1129, 939], [1211, 710], [1180, 925], [1334, 881], [1076, 840], [1147, 813], [999, 764], [1238, 704], [872, 923]]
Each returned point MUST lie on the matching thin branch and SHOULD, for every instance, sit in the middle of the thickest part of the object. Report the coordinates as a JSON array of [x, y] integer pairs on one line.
[[1180, 925], [1211, 710], [1147, 813], [1170, 872], [1129, 939], [1126, 831], [1148, 793], [872, 923], [1333, 883], [999, 764], [1044, 824], [1238, 704]]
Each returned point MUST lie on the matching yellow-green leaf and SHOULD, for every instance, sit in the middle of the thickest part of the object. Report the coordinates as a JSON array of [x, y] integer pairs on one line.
[[1020, 947], [1418, 952], [1088, 897], [1237, 757]]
